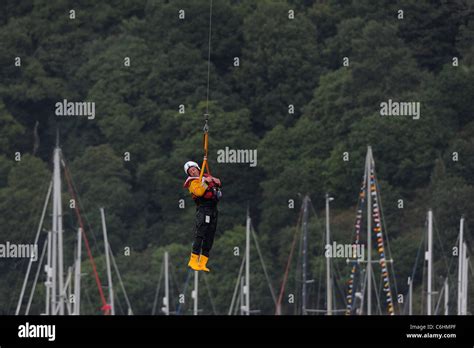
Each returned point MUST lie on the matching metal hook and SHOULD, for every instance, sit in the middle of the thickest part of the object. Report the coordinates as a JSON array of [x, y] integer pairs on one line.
[[206, 125]]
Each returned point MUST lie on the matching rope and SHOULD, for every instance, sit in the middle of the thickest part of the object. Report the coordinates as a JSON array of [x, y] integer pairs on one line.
[[208, 63], [105, 307], [205, 165]]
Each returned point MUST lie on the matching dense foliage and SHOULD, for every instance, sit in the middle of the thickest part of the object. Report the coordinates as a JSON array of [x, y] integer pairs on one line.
[[282, 61]]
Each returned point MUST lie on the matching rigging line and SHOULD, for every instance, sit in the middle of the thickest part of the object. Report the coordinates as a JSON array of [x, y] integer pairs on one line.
[[440, 297], [285, 277], [423, 285], [332, 263], [209, 58], [468, 252], [86, 242], [36, 277], [120, 279], [443, 254], [386, 235], [451, 262], [413, 273], [153, 311], [79, 201], [336, 275], [22, 261], [88, 298], [263, 264], [318, 296], [237, 285], [417, 257], [438, 234], [355, 269], [334, 304], [320, 266], [210, 295], [185, 288], [175, 274], [175, 283], [378, 293], [119, 304], [299, 269], [338, 286], [237, 305], [40, 225], [362, 290]]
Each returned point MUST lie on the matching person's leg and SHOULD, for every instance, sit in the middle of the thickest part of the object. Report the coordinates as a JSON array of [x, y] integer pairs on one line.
[[199, 233], [210, 233], [209, 236], [200, 229]]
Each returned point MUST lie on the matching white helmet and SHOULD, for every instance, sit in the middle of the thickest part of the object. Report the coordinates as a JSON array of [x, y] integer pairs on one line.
[[190, 164]]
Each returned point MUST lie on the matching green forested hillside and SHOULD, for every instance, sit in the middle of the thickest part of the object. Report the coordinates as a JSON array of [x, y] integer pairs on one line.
[[426, 57]]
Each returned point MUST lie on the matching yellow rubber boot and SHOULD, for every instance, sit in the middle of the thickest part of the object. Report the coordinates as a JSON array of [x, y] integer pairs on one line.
[[194, 262], [203, 262]]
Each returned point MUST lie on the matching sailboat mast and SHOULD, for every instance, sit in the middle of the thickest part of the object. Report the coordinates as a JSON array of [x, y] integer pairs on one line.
[[107, 262], [460, 264], [429, 258], [242, 295], [195, 292], [446, 297], [247, 265], [328, 260], [166, 301], [464, 280], [57, 294], [304, 254], [410, 296], [369, 230], [77, 274], [49, 273]]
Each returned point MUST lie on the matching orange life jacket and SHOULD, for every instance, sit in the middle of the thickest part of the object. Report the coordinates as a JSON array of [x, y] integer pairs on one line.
[[211, 193]]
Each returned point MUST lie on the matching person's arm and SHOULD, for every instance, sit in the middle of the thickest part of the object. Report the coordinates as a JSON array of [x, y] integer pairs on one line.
[[197, 188], [212, 179]]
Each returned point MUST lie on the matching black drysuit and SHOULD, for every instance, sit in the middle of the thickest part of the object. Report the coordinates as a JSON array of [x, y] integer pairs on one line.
[[205, 226]]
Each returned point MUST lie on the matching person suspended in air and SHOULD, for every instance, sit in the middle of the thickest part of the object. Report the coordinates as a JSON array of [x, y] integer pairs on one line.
[[206, 193]]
